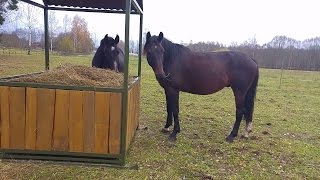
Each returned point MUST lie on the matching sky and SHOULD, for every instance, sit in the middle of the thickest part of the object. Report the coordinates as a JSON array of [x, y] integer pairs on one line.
[[223, 21], [229, 21]]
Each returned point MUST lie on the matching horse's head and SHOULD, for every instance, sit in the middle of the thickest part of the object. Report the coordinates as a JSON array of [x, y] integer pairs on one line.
[[155, 54], [110, 51]]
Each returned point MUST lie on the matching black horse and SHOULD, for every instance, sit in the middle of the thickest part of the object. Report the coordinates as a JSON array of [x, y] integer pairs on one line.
[[177, 68], [109, 55]]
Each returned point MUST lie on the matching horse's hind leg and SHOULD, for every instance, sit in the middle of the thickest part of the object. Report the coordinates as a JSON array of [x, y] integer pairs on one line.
[[240, 109], [249, 104], [248, 119]]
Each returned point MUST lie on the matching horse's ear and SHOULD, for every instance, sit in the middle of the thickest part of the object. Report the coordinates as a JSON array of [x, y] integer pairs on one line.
[[106, 36], [160, 37], [116, 40], [148, 35]]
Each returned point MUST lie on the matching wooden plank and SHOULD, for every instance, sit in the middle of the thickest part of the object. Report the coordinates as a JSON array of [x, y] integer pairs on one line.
[[131, 115], [134, 111], [137, 106], [128, 119], [115, 123], [5, 128], [45, 117], [0, 118], [76, 122], [88, 121], [17, 104], [61, 121], [31, 118], [134, 101], [101, 114]]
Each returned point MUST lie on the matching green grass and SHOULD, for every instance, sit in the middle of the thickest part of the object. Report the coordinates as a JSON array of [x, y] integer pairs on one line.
[[284, 144]]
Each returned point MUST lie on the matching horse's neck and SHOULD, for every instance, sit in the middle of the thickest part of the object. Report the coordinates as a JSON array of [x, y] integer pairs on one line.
[[173, 57], [175, 53]]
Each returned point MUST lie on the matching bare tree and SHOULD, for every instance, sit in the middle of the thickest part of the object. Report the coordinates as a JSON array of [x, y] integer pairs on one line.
[[285, 53], [5, 7], [134, 46], [82, 41], [144, 36], [29, 16], [53, 27], [281, 42], [66, 23]]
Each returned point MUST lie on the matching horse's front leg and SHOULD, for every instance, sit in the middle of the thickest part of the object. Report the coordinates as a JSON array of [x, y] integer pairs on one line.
[[174, 105], [169, 113], [115, 66]]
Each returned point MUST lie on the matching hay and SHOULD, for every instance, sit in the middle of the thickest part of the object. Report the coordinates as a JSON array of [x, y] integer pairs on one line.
[[76, 75]]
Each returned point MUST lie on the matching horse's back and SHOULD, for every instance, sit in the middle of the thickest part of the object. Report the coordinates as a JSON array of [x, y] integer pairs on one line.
[[234, 61], [221, 61], [120, 60], [241, 63]]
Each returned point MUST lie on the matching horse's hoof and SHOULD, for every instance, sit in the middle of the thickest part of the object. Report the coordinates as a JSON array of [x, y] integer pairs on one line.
[[173, 138], [165, 130], [245, 135], [249, 127], [229, 139]]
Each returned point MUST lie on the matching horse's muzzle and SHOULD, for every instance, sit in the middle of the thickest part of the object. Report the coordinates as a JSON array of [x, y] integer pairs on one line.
[[162, 79]]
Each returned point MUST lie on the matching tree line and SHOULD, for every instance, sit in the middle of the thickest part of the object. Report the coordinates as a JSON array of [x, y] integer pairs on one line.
[[25, 31], [280, 53], [77, 39]]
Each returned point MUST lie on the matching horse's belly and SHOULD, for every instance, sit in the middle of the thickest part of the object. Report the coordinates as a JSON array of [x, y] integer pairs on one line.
[[204, 88]]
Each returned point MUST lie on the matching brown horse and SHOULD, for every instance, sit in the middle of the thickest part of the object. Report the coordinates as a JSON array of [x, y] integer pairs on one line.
[[109, 55], [177, 69]]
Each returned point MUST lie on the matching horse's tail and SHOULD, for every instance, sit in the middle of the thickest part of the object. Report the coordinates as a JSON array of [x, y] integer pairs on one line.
[[250, 97]]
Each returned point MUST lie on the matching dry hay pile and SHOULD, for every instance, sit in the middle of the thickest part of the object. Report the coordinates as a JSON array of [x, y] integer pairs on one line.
[[77, 75]]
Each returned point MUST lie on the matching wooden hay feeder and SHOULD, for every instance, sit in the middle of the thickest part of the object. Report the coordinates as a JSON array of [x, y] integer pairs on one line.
[[72, 123]]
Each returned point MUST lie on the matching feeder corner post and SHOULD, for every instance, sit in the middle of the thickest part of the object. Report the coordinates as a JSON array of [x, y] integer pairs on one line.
[[140, 45], [125, 85], [46, 38]]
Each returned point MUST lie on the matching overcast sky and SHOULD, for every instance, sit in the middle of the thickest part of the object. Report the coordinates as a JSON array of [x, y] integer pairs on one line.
[[233, 20], [223, 21]]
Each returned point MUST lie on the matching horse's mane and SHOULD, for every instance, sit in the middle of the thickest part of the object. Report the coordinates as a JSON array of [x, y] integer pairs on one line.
[[173, 50]]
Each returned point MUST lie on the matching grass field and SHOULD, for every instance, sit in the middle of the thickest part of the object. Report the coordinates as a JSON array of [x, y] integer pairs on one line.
[[285, 143]]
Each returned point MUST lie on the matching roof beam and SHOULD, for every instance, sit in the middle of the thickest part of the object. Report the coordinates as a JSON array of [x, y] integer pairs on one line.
[[137, 6], [33, 3], [89, 10]]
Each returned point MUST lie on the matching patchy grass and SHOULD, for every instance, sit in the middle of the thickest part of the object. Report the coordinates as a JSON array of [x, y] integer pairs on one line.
[[284, 145], [21, 63]]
